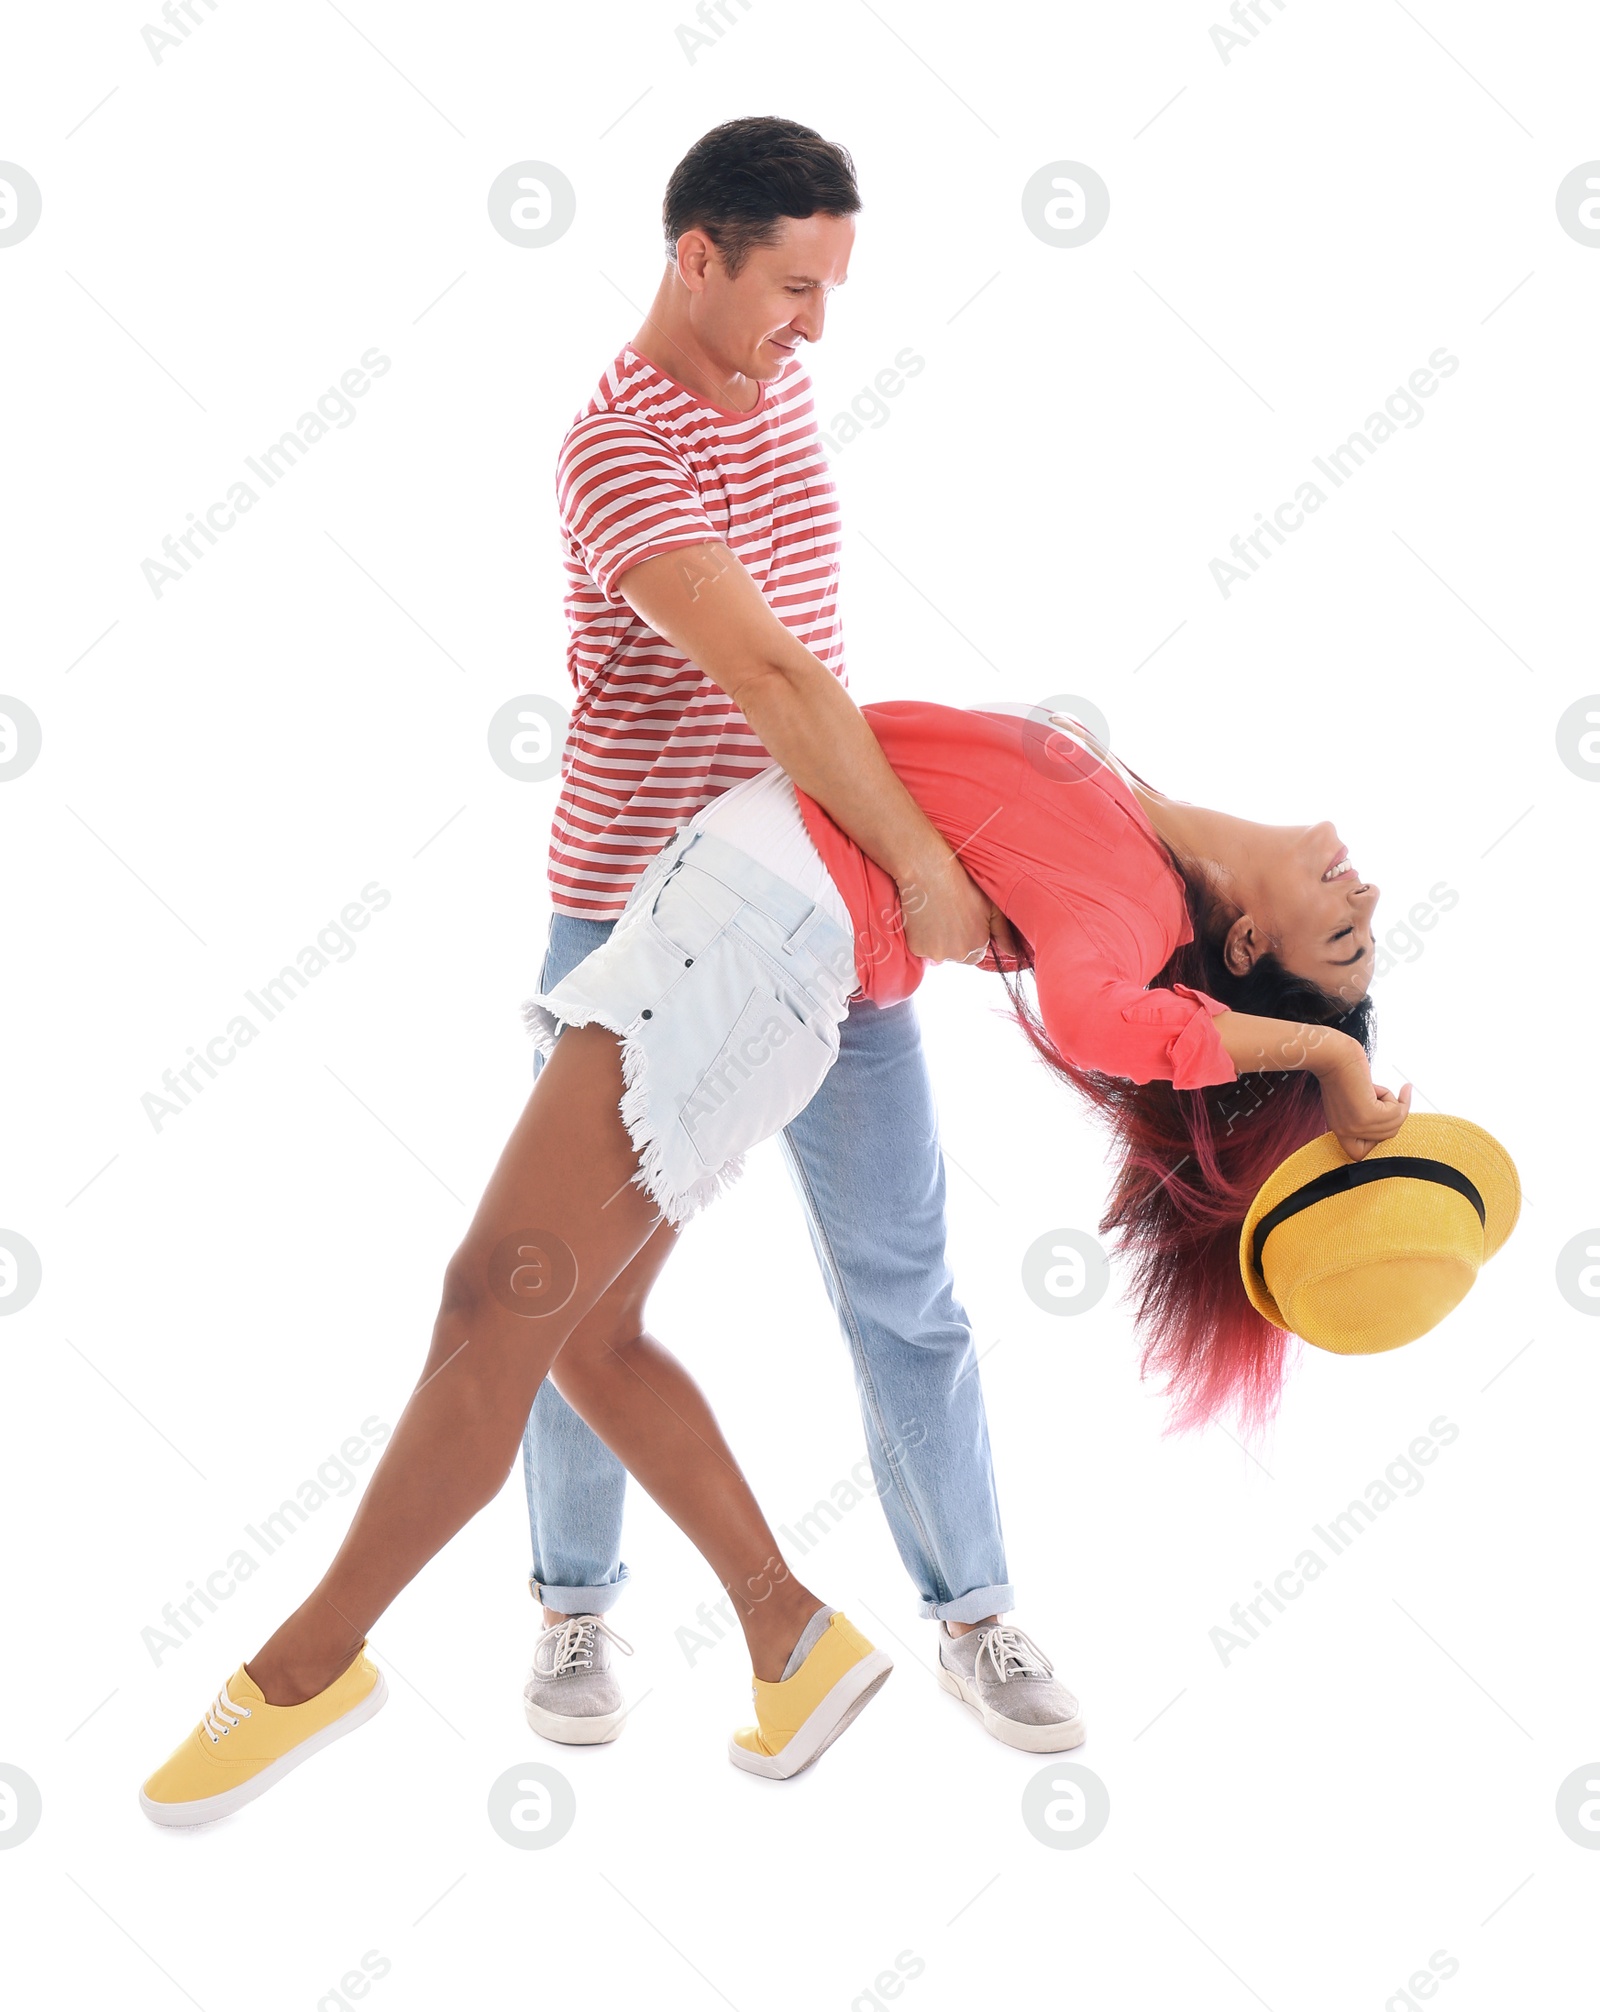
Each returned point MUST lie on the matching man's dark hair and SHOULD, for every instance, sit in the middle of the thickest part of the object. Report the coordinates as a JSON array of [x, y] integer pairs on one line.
[[739, 181]]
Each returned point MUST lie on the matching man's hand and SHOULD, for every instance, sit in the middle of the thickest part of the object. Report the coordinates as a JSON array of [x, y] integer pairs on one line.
[[949, 918], [1361, 1113]]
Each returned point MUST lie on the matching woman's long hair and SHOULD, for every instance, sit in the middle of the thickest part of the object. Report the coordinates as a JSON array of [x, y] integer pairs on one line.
[[1189, 1165]]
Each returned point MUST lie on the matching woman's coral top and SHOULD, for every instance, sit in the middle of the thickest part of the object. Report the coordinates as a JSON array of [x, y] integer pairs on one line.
[[1059, 843]]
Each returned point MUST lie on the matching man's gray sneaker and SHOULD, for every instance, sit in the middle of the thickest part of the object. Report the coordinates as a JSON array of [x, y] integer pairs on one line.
[[572, 1694], [1010, 1683]]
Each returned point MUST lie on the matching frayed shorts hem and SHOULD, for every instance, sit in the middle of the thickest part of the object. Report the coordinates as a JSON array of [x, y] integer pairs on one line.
[[680, 1201]]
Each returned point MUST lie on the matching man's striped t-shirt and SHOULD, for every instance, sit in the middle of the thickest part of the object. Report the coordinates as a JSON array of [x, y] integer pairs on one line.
[[649, 467]]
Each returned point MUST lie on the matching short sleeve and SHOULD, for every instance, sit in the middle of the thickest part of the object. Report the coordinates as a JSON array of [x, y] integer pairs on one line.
[[625, 494], [1103, 1021]]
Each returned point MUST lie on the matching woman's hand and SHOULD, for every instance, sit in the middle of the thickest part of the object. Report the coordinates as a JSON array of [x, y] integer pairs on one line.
[[1361, 1114]]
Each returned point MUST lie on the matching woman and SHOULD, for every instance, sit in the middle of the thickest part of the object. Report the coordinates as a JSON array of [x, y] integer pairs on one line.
[[704, 1023]]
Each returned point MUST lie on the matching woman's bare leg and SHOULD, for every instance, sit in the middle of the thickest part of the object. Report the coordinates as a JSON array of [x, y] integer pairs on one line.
[[565, 1173], [560, 1206], [640, 1400]]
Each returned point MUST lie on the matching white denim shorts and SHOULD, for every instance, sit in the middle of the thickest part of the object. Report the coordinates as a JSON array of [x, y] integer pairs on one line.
[[727, 985]]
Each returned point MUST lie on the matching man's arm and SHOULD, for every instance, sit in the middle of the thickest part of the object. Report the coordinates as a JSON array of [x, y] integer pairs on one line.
[[706, 605]]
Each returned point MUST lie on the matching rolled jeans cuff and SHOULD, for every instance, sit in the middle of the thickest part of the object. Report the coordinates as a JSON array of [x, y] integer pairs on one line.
[[579, 1599], [971, 1606]]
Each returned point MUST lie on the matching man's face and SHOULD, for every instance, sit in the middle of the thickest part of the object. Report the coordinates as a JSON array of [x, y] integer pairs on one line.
[[754, 323]]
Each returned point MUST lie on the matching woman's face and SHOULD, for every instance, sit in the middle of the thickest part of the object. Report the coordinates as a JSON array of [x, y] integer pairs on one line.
[[1321, 927]]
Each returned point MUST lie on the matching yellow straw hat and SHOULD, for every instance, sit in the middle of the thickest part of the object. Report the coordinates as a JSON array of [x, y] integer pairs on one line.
[[1358, 1256]]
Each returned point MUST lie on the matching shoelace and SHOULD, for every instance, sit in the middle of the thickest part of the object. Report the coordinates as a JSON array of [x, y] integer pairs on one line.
[[223, 1715], [1012, 1654], [573, 1647]]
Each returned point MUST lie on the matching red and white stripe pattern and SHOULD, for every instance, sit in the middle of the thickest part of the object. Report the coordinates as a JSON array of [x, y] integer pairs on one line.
[[649, 467]]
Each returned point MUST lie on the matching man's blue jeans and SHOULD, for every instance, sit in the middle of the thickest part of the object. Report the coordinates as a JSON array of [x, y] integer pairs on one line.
[[864, 1158]]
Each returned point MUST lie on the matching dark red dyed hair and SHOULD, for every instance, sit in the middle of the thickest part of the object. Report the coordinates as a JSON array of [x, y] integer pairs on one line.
[[1189, 1163]]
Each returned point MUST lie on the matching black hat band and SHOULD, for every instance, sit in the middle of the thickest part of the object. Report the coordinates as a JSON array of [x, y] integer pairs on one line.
[[1342, 1180]]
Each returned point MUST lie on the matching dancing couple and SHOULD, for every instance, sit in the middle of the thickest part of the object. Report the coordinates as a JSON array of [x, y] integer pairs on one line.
[[749, 875]]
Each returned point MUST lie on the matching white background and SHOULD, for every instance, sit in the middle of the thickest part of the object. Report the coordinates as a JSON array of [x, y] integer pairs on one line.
[[225, 1300]]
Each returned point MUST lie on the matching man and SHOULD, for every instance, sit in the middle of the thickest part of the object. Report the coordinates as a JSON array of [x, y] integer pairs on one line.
[[702, 540]]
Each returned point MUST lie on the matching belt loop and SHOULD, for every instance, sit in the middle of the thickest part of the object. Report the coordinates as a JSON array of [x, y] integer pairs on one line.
[[799, 938]]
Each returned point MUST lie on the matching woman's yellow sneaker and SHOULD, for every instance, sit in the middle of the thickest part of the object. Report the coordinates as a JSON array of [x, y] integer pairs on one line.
[[800, 1717], [243, 1745]]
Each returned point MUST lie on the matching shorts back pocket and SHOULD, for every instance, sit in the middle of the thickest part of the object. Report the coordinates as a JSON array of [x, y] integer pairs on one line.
[[764, 1074]]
